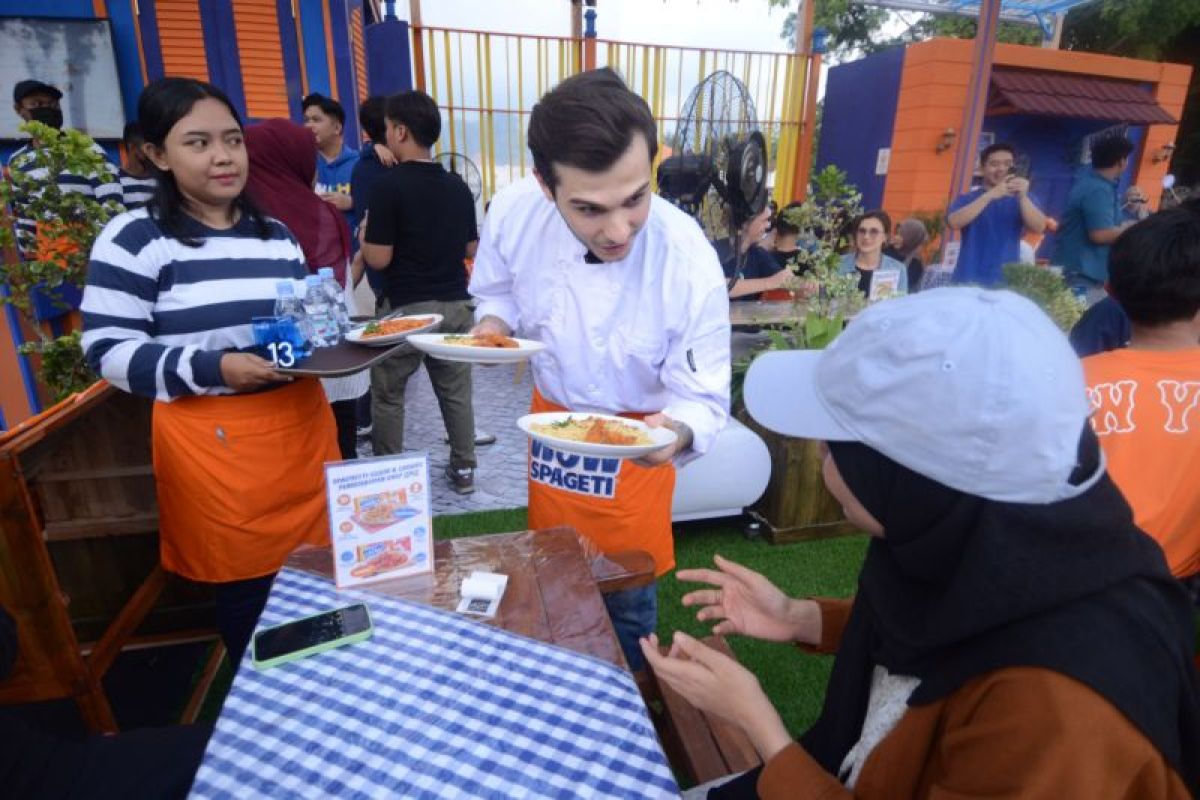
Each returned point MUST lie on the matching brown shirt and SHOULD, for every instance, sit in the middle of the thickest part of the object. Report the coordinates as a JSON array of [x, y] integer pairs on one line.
[[1015, 732]]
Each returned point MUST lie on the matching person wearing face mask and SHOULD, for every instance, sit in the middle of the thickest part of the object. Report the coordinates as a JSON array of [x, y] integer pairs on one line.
[[629, 298], [35, 101], [1014, 633]]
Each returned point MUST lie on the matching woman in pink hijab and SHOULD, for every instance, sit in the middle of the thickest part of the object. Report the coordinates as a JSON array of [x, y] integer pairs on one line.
[[283, 165]]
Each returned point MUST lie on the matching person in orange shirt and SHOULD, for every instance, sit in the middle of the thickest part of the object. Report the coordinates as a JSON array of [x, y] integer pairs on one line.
[[1147, 396]]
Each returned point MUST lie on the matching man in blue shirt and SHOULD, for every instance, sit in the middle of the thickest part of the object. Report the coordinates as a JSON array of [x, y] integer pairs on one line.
[[325, 117], [1092, 219], [992, 218]]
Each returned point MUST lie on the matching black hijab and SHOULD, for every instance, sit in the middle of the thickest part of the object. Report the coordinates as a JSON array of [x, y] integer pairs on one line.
[[960, 586]]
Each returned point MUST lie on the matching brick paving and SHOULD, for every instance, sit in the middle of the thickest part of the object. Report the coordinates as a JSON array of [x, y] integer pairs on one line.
[[499, 398]]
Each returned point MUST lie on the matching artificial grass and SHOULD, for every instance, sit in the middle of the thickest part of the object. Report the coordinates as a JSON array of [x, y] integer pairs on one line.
[[794, 681]]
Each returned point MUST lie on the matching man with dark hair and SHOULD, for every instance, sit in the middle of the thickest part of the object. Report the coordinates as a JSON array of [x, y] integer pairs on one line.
[[992, 219], [420, 227], [1092, 219], [630, 300], [326, 118], [374, 159], [137, 182], [1147, 396]]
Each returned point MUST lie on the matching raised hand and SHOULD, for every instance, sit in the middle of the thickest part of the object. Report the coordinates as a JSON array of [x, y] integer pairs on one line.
[[718, 685], [746, 603]]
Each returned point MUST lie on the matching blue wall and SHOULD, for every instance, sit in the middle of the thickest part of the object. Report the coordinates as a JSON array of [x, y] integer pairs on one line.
[[859, 115], [389, 69], [1052, 145]]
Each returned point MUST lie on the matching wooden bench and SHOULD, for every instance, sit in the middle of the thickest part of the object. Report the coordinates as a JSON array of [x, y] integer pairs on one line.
[[700, 746]]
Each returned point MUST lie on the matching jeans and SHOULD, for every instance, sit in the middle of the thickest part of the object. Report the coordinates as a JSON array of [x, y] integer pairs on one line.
[[451, 384], [345, 414], [239, 604], [634, 614]]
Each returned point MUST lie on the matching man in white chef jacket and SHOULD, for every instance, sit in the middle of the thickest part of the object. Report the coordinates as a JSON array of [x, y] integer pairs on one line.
[[629, 298]]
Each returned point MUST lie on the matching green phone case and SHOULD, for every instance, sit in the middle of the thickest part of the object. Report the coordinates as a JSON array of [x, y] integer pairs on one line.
[[362, 636]]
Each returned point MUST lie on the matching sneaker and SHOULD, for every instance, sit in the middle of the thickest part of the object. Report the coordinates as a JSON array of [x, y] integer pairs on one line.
[[482, 439], [461, 480]]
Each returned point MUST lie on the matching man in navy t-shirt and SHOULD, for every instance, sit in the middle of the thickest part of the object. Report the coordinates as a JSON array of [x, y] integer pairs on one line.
[[992, 218]]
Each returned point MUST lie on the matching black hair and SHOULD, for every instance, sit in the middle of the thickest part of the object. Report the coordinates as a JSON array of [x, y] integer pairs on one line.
[[1154, 268], [588, 122], [371, 116], [998, 147], [132, 133], [331, 107], [1109, 151], [782, 225], [162, 104], [418, 112]]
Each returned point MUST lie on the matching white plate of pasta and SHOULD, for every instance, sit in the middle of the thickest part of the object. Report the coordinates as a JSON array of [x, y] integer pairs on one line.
[[595, 434]]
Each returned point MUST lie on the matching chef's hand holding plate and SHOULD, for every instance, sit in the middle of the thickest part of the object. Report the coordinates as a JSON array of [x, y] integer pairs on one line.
[[683, 440], [491, 324]]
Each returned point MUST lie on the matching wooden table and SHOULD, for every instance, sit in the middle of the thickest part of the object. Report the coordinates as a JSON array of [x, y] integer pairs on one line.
[[773, 313], [555, 580]]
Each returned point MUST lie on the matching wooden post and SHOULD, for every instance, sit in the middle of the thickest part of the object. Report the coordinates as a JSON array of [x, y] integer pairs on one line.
[[417, 36], [977, 92]]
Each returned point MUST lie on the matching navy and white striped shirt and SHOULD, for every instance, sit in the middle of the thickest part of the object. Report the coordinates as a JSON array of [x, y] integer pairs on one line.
[[105, 186], [158, 315], [136, 191]]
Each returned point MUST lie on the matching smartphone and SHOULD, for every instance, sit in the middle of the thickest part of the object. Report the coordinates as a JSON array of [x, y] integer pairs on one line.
[[310, 635]]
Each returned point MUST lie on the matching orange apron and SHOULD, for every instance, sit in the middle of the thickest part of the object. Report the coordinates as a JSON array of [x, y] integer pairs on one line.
[[241, 479], [617, 504]]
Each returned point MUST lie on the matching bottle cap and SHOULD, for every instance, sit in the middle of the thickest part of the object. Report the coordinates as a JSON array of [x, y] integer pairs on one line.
[[284, 288], [312, 280], [325, 272]]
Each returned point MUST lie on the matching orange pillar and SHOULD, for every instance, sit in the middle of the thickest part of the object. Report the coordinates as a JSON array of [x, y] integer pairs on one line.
[[417, 35], [589, 36], [808, 103]]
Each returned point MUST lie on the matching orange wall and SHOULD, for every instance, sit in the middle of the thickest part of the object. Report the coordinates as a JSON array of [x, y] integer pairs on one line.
[[182, 38], [261, 53], [933, 90]]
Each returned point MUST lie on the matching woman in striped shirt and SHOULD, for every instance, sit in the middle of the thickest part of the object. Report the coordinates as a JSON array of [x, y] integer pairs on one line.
[[238, 447]]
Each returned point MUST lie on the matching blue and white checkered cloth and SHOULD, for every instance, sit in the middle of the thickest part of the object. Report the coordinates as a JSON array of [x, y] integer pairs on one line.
[[433, 705]]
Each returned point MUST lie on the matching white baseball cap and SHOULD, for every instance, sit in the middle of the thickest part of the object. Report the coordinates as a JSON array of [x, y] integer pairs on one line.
[[974, 388]]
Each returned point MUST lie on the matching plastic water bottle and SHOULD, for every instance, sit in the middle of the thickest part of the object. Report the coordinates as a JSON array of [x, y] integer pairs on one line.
[[320, 313], [292, 322], [337, 298]]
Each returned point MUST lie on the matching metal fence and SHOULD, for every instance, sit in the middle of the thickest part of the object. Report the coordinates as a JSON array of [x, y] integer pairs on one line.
[[487, 82]]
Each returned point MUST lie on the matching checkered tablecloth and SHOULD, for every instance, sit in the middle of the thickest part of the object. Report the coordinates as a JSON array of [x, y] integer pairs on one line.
[[434, 705]]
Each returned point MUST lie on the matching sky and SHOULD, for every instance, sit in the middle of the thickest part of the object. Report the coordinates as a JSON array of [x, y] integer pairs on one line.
[[747, 24]]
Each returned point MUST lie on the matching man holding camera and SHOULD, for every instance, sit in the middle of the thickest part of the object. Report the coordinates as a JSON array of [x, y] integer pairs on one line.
[[992, 219]]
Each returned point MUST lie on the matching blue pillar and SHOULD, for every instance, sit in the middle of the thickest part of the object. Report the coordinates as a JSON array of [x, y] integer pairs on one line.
[[343, 60], [220, 47], [389, 69]]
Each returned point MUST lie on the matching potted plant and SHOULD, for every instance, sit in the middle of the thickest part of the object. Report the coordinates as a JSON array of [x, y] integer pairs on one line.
[[796, 504], [1047, 288], [49, 279]]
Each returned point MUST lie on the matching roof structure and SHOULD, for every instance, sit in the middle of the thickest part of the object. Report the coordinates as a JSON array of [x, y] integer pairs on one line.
[[1022, 91], [1028, 12]]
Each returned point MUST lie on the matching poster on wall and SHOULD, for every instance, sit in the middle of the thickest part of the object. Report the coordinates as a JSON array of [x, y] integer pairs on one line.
[[379, 520], [74, 55]]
